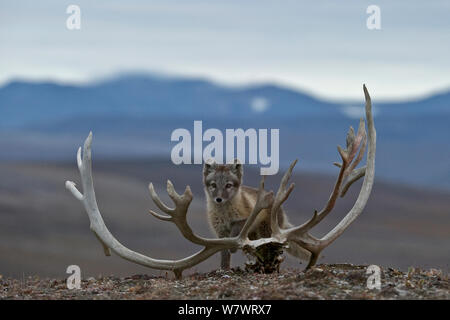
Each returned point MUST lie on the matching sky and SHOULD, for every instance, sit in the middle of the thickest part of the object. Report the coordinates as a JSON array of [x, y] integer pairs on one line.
[[321, 47]]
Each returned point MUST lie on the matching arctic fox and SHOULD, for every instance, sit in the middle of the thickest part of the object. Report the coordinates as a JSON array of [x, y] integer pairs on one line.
[[229, 204]]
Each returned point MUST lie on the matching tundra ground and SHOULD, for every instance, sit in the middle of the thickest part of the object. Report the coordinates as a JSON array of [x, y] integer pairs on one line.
[[336, 281]]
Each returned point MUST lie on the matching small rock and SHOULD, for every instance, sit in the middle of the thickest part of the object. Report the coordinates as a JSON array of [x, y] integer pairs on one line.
[[401, 293]]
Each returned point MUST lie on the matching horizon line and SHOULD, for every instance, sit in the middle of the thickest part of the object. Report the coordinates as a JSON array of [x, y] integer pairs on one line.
[[86, 81]]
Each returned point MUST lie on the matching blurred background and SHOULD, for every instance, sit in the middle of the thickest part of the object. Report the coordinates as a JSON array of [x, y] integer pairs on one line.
[[137, 70]]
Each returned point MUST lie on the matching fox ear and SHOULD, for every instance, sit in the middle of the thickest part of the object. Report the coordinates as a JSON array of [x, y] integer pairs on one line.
[[208, 166], [237, 168]]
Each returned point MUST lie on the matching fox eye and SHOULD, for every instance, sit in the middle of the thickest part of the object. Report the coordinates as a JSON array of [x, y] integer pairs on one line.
[[228, 185], [213, 185]]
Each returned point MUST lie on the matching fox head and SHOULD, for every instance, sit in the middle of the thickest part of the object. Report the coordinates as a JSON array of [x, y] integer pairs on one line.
[[222, 181]]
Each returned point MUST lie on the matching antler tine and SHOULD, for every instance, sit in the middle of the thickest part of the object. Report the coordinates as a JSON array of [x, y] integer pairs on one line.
[[280, 197], [283, 193], [172, 193], [354, 176], [160, 216], [359, 142], [343, 155], [71, 186], [264, 200], [158, 201], [178, 214], [317, 217], [350, 140], [178, 199], [355, 142], [87, 155], [301, 229], [79, 161], [181, 202]]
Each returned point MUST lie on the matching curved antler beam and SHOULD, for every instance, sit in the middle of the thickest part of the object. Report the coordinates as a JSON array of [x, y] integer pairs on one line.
[[176, 215], [369, 176]]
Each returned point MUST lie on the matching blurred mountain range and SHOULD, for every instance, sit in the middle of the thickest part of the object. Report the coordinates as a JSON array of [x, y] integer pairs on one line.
[[25, 103], [133, 115]]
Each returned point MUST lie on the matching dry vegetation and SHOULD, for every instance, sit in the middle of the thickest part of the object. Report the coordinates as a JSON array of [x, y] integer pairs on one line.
[[337, 281]]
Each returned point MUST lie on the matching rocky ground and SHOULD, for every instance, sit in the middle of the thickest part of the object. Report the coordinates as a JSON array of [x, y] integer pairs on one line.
[[338, 281]]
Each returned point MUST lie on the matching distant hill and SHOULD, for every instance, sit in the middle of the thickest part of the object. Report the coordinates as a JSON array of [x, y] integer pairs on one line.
[[27, 103], [133, 116], [24, 104], [437, 104]]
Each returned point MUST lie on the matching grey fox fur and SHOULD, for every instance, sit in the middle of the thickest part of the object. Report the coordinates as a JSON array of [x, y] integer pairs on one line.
[[229, 204]]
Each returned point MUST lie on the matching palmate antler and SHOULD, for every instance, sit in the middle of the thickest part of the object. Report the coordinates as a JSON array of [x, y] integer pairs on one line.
[[265, 200]]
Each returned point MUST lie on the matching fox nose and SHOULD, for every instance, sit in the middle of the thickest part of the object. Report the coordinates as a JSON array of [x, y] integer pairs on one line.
[[218, 200]]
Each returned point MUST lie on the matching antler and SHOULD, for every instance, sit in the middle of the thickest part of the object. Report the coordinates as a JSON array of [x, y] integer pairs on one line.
[[176, 215], [300, 234]]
